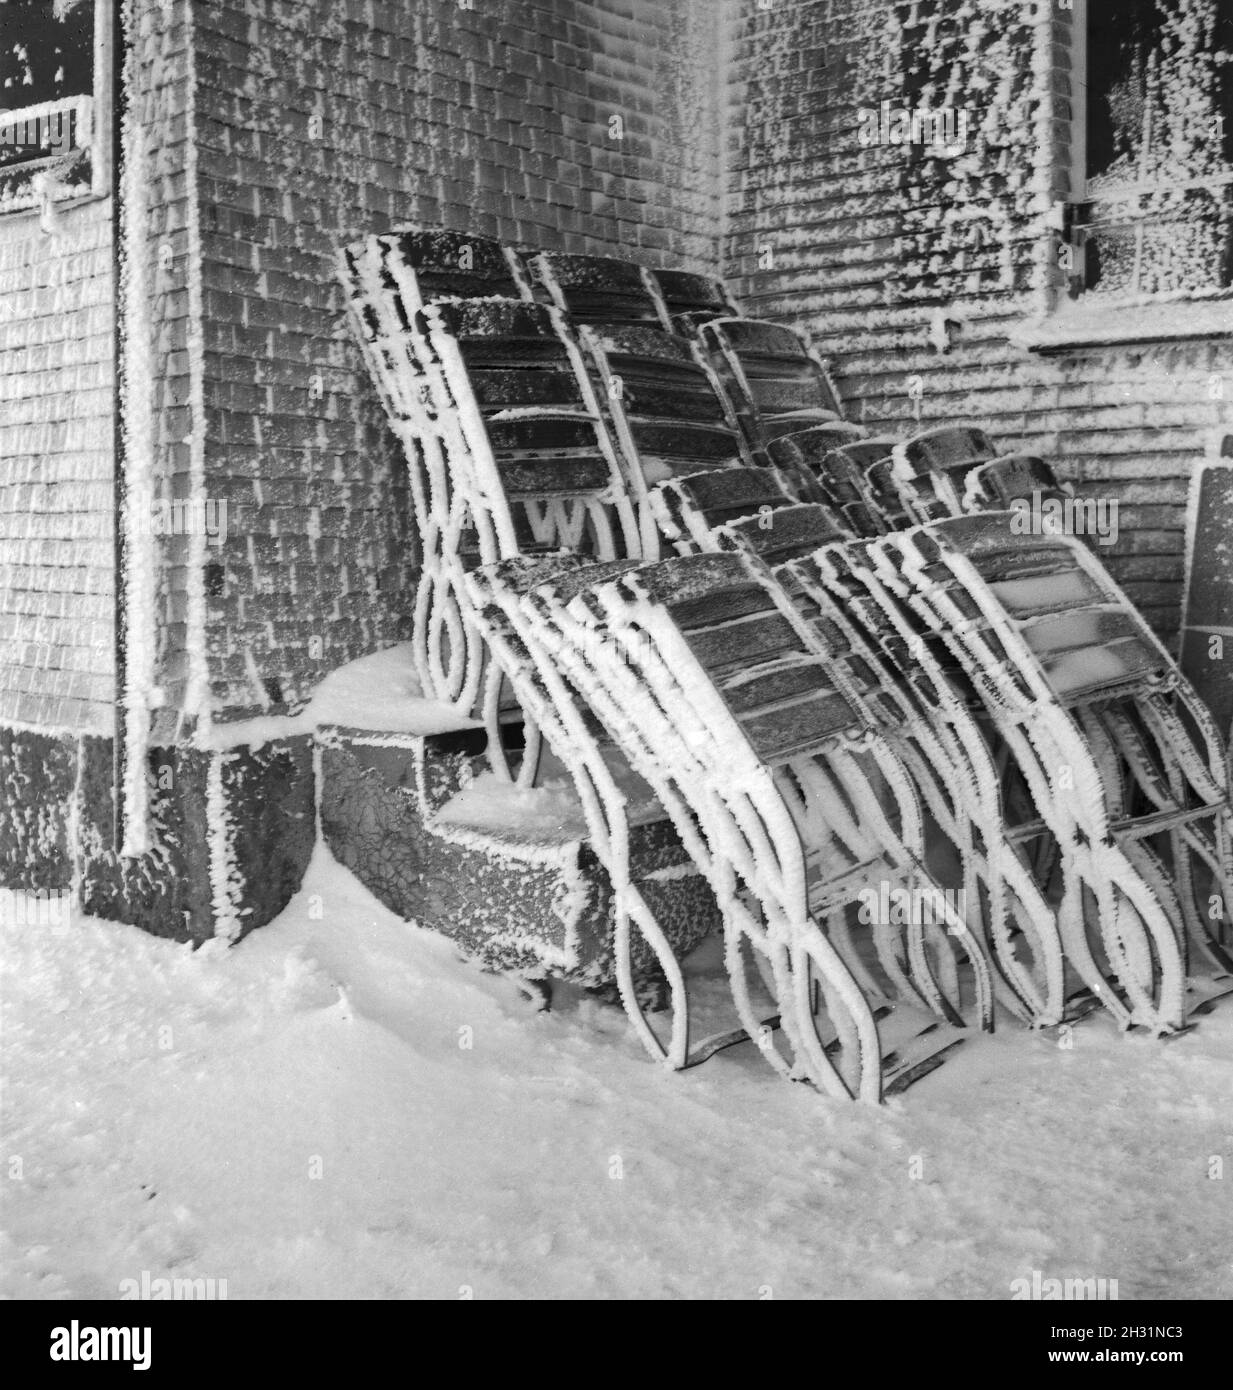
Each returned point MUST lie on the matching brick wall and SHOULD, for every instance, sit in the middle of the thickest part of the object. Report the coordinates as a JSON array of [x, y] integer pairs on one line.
[[865, 245], [319, 122], [56, 460]]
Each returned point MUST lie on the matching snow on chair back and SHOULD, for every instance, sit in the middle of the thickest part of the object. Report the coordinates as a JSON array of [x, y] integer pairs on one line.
[[1207, 608], [1074, 680], [887, 496], [668, 416], [775, 380], [600, 289], [692, 300]]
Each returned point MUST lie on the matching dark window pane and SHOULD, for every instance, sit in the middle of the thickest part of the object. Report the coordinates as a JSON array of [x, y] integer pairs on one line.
[[1120, 40], [46, 54]]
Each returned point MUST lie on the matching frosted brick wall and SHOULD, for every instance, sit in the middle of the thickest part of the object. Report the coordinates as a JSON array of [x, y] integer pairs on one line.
[[867, 244], [56, 459], [320, 122]]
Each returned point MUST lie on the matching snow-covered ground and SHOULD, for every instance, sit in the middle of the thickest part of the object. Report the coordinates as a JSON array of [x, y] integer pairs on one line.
[[299, 1116]]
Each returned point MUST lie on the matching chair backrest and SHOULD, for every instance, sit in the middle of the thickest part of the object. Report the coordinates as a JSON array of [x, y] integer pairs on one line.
[[921, 479], [419, 267], [692, 300], [931, 469], [782, 534], [665, 408], [525, 436], [573, 730], [657, 384], [791, 540], [722, 627], [1052, 593], [1011, 478], [600, 289], [775, 380], [950, 449], [905, 648]]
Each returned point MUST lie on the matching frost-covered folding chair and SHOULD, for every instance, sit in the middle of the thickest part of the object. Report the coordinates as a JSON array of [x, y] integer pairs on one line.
[[388, 279], [692, 300], [1079, 686], [775, 380], [950, 471], [667, 414], [714, 688], [913, 701], [600, 289], [1001, 775], [628, 828], [528, 456]]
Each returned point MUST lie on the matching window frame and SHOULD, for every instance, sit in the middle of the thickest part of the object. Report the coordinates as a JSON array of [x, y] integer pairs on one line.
[[1086, 319], [99, 110], [1081, 178]]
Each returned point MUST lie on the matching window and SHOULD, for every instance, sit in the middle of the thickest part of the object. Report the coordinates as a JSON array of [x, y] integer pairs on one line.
[[53, 82], [1153, 157]]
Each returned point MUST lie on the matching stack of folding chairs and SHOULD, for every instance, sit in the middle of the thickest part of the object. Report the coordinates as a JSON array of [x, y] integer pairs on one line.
[[936, 771]]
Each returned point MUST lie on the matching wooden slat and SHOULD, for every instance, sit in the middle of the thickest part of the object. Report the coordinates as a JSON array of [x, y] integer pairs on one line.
[[720, 606], [686, 446], [789, 533], [504, 387], [781, 735], [554, 477], [507, 319], [743, 642], [542, 434], [776, 685], [757, 338], [775, 395], [730, 489]]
